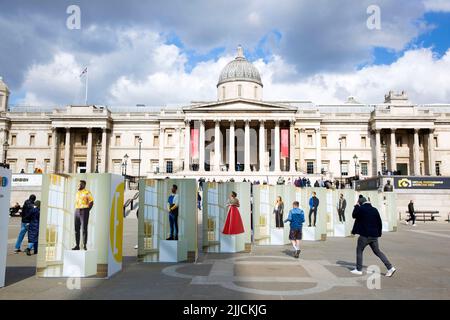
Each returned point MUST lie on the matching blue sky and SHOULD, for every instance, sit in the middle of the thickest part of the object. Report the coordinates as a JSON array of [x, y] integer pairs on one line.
[[164, 52]]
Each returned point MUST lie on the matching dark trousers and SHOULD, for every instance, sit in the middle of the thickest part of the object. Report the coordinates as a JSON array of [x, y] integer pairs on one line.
[[173, 221], [363, 242], [412, 217], [341, 214], [279, 219], [313, 211], [81, 222]]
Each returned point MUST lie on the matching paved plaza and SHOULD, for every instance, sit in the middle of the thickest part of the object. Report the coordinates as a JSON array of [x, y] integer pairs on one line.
[[421, 256]]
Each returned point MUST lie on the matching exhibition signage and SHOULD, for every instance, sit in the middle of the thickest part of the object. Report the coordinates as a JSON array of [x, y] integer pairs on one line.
[[431, 183], [5, 193], [26, 180]]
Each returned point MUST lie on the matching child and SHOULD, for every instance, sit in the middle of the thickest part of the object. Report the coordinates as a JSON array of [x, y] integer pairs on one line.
[[296, 218]]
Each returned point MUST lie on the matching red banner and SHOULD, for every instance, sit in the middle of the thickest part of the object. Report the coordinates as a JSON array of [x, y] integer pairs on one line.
[[194, 143], [284, 143]]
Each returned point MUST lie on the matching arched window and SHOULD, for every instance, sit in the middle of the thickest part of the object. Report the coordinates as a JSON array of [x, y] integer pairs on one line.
[[223, 92], [239, 90], [256, 92]]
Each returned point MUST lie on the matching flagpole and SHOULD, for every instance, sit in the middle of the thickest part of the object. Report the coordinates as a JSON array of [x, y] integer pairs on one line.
[[86, 95]]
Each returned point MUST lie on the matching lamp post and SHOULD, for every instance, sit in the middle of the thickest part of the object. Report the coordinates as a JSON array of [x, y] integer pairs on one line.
[[124, 165], [355, 159], [139, 165], [340, 161], [383, 167], [97, 155], [5, 151]]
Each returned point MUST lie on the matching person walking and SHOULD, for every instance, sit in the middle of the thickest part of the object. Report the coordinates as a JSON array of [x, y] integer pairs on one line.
[[369, 227], [278, 210], [412, 214], [172, 208], [313, 205], [296, 218], [342, 204], [25, 214], [33, 229]]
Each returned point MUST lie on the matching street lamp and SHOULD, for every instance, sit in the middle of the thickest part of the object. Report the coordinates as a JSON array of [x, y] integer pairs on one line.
[[383, 168], [340, 160], [5, 151], [139, 166], [355, 159], [124, 165], [97, 155]]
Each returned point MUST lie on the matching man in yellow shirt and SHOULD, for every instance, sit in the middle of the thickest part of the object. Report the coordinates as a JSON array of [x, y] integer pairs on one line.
[[83, 205]]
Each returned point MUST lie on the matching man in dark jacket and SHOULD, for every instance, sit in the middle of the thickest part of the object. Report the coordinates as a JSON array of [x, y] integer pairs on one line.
[[313, 205], [26, 218], [412, 214], [369, 227], [33, 228], [341, 205]]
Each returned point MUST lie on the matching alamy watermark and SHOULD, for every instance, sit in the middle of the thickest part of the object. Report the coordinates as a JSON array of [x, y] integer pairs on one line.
[[374, 20], [73, 21]]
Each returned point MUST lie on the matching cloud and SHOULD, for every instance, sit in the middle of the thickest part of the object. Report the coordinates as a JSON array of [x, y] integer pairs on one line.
[[437, 5]]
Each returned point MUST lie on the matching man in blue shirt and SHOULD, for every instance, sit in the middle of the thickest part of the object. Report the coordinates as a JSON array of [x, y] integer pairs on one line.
[[296, 218], [313, 205], [172, 208]]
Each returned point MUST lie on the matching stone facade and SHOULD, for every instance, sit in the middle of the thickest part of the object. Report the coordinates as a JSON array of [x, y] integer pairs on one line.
[[396, 135]]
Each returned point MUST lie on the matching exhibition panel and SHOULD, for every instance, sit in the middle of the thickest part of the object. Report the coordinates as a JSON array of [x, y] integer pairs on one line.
[[5, 195]]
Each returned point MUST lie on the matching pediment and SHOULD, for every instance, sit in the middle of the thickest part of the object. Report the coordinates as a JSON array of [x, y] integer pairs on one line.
[[240, 105]]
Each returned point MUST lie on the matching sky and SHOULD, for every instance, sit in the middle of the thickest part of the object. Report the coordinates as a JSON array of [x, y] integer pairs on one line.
[[163, 53]]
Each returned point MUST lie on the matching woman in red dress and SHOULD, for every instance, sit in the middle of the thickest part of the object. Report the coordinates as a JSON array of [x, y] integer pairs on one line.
[[233, 224]]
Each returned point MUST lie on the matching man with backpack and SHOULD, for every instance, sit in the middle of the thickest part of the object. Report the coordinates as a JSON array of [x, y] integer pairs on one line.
[[27, 207]]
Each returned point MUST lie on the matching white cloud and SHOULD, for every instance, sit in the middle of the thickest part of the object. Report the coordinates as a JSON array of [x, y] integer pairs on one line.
[[437, 5]]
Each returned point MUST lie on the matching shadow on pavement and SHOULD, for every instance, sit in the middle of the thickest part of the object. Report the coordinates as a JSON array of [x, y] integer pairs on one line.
[[17, 274]]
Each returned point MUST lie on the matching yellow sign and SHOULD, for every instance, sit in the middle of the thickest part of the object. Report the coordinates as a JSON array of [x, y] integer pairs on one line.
[[116, 223]]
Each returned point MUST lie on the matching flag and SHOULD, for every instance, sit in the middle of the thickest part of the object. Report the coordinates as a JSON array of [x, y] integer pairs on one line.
[[84, 72]]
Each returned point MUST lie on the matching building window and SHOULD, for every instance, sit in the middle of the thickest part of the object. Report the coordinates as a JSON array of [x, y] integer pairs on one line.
[[325, 167], [343, 141], [363, 142], [436, 145], [364, 169], [170, 139], [32, 139], [49, 140], [117, 166], [345, 168], [117, 142], [83, 140], [438, 168], [13, 139], [169, 166], [154, 166], [47, 165], [31, 166], [13, 165], [136, 141], [310, 140], [399, 142], [239, 90], [309, 167], [323, 143], [223, 93], [135, 167], [156, 141]]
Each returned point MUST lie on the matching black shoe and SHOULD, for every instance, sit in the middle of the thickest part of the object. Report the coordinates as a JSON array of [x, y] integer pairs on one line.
[[16, 251], [28, 252], [296, 253], [84, 248], [309, 226], [169, 238], [176, 238], [76, 248]]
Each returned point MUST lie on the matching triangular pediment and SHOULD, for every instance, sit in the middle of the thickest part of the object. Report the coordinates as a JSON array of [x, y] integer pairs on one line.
[[240, 105]]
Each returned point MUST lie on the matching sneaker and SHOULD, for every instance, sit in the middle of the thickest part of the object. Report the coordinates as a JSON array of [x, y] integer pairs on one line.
[[136, 247], [391, 272], [407, 223], [297, 253], [76, 248], [414, 225], [357, 272], [16, 251], [28, 251]]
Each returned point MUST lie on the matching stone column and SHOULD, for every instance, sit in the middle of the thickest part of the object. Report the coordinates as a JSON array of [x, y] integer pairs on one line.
[[277, 146], [202, 146], [187, 145], [302, 150], [217, 153], [54, 152], [67, 160], [247, 146], [416, 153], [431, 164], [393, 151], [292, 145], [318, 152], [377, 152], [89, 152], [104, 155], [177, 150], [232, 162], [162, 132], [262, 146]]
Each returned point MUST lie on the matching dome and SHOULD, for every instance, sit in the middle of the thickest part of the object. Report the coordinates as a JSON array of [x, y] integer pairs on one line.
[[240, 70]]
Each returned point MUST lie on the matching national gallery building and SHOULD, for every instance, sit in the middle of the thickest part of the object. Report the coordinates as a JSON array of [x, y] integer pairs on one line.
[[238, 135]]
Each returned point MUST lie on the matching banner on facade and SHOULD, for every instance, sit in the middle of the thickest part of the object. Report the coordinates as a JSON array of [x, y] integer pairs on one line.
[[284, 143], [194, 142], [405, 183]]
